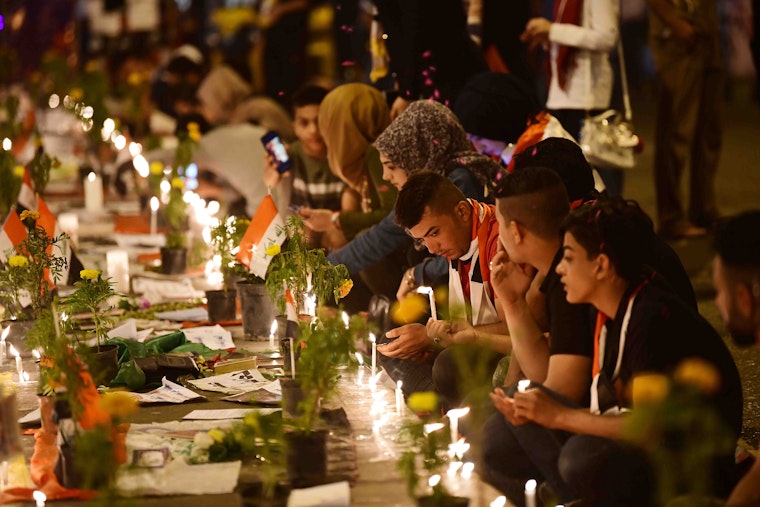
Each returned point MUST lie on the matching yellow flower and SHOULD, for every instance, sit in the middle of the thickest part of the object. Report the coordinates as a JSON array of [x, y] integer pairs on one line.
[[423, 401], [118, 404], [134, 78], [76, 94], [272, 250], [649, 388], [178, 182], [91, 66], [156, 167], [18, 261], [89, 274], [409, 309], [216, 434], [18, 171], [32, 215], [193, 131], [699, 373], [345, 288]]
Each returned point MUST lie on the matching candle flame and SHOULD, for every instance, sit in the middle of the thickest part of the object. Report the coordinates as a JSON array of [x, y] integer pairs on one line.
[[457, 412], [36, 354], [422, 289], [429, 428], [273, 328], [154, 203], [434, 480], [13, 351], [522, 385], [372, 338], [398, 385], [6, 332], [359, 358], [39, 496], [530, 486], [91, 177], [500, 501], [345, 319]]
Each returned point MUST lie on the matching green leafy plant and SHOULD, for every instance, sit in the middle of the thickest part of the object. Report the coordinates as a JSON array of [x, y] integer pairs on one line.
[[303, 270], [91, 295], [224, 238], [25, 276]]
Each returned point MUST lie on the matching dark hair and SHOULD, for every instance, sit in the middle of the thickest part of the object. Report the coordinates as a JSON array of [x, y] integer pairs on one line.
[[307, 95], [567, 159], [737, 240], [535, 198], [618, 228], [425, 189]]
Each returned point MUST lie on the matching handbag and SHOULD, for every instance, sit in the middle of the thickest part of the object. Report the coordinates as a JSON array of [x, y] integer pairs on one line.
[[607, 139]]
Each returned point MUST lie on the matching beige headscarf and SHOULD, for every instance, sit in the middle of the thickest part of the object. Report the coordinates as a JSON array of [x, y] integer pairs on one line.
[[350, 118], [221, 91]]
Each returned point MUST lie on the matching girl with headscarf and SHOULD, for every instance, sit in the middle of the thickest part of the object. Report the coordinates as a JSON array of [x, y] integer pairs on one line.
[[425, 137]]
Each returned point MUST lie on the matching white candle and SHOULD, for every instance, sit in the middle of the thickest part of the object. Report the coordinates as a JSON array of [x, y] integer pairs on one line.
[[153, 214], [292, 359], [93, 193], [24, 377], [69, 223], [431, 296], [499, 501], [3, 475], [360, 360], [272, 333], [3, 348], [117, 267], [374, 352], [400, 405], [344, 315], [19, 366], [40, 498], [522, 385], [454, 414], [530, 493]]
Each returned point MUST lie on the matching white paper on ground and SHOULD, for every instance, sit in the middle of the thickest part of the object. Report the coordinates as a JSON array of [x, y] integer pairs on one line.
[[128, 331], [179, 478], [156, 290], [213, 337], [169, 392], [31, 417], [336, 494], [228, 413], [191, 314], [232, 383]]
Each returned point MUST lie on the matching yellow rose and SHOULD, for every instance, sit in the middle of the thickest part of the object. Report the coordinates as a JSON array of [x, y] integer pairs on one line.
[[18, 261], [32, 215], [216, 434], [89, 274], [118, 404], [76, 94], [18, 171], [134, 79], [178, 182], [272, 250], [649, 388], [345, 288], [423, 401], [699, 373], [156, 167], [409, 309]]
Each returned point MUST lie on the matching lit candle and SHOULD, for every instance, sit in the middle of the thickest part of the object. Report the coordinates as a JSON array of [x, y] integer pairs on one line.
[[93, 193], [360, 360], [153, 214], [344, 315], [530, 493], [19, 366], [500, 501], [454, 414], [374, 353], [24, 377], [3, 348], [292, 359], [117, 268], [431, 297], [523, 385], [69, 223], [399, 399], [272, 333], [434, 480], [458, 448], [467, 470], [40, 498]]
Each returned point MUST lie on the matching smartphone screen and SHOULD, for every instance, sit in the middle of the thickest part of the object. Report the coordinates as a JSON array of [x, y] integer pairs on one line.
[[274, 145]]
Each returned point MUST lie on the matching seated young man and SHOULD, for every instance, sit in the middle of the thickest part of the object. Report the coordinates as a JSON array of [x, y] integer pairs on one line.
[[434, 212], [642, 327]]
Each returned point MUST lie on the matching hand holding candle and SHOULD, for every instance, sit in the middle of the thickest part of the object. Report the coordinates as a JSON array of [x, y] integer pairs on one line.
[[431, 296]]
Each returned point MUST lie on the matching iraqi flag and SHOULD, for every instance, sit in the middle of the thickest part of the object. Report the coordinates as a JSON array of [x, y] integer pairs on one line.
[[12, 234], [266, 229]]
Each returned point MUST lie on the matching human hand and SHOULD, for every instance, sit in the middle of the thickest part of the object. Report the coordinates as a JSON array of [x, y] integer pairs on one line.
[[399, 106], [536, 405], [536, 32], [272, 176], [506, 406], [410, 342], [510, 281], [407, 284], [439, 331], [462, 332], [318, 220]]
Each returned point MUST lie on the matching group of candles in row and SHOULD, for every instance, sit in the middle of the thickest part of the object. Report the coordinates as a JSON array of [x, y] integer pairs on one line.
[[23, 376]]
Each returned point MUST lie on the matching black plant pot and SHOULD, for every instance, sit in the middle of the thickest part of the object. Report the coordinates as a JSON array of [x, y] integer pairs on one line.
[[103, 364], [173, 260], [443, 501], [253, 496], [222, 305], [256, 309], [306, 457], [292, 395]]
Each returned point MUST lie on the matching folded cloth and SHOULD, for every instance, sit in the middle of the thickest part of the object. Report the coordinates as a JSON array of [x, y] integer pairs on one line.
[[336, 494]]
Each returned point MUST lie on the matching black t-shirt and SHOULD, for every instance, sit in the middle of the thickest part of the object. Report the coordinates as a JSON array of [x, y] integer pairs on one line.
[[570, 325], [663, 331], [667, 263]]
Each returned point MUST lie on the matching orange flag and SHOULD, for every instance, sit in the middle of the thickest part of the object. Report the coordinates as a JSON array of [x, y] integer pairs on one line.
[[266, 229]]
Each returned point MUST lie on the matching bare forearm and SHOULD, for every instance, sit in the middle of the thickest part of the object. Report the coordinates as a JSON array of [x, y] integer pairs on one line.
[[747, 492], [494, 336], [529, 345], [581, 421]]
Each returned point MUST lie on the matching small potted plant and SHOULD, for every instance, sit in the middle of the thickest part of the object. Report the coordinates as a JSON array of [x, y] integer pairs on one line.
[[426, 454], [222, 304]]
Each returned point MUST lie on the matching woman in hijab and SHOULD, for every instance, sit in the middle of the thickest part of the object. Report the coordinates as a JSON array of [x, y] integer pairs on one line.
[[425, 137]]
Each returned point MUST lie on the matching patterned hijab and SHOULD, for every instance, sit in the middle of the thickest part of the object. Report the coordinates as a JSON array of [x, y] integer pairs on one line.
[[427, 136], [350, 117]]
